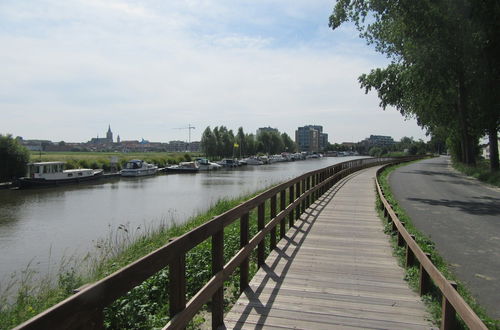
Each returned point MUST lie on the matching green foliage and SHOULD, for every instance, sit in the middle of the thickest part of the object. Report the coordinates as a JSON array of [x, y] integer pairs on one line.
[[14, 158], [444, 64], [145, 306], [480, 171], [221, 142]]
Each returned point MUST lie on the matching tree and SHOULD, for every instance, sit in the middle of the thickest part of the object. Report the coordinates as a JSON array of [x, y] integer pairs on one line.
[[209, 143], [14, 158], [436, 73], [290, 145]]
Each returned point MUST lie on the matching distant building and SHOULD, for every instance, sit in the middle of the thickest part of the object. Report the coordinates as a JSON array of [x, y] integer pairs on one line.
[[267, 129], [311, 138], [109, 135], [107, 140], [378, 141]]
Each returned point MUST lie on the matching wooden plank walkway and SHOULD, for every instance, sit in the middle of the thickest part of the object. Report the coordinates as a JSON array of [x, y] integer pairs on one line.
[[333, 270]]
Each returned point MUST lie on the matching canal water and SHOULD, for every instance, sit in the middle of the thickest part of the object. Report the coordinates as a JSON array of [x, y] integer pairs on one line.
[[41, 227]]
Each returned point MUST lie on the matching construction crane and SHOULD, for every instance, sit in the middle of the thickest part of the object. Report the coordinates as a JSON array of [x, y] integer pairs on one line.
[[189, 128]]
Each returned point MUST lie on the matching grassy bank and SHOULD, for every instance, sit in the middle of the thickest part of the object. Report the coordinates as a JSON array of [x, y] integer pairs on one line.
[[146, 306], [481, 172], [433, 299], [103, 159]]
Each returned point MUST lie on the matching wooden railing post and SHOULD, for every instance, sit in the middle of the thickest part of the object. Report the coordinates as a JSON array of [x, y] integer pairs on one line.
[[282, 207], [260, 225], [410, 256], [291, 198], [303, 190], [297, 195], [449, 316], [401, 240], [273, 230], [177, 284], [308, 186], [243, 242], [425, 280], [217, 265]]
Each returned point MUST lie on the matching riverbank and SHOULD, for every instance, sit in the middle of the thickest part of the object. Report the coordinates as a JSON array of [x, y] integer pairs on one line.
[[102, 160], [433, 299], [144, 307]]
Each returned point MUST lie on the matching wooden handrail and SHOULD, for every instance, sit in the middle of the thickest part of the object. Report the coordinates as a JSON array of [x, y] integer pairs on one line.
[[85, 308], [451, 297]]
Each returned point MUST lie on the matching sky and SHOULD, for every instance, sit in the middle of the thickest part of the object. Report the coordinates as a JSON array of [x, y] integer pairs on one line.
[[151, 68]]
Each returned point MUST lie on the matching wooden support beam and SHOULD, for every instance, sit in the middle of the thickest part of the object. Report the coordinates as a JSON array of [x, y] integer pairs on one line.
[[282, 207], [273, 230], [243, 242], [260, 225], [449, 315], [217, 265], [425, 280]]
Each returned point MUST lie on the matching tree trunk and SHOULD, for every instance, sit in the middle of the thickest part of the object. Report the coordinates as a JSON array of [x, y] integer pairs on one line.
[[469, 156], [493, 137]]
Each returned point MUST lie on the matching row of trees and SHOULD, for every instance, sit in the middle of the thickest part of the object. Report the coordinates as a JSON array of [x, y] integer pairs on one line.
[[406, 144], [445, 65], [221, 142]]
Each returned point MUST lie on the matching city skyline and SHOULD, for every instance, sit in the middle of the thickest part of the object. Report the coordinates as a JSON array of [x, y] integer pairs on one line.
[[148, 67]]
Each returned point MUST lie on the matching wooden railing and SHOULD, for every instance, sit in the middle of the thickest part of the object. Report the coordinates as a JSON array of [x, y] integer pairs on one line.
[[85, 308], [452, 302]]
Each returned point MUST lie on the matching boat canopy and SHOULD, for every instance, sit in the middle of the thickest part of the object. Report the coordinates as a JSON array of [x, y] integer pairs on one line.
[[45, 167]]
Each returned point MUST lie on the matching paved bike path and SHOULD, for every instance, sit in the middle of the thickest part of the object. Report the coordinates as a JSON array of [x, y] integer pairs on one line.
[[462, 217]]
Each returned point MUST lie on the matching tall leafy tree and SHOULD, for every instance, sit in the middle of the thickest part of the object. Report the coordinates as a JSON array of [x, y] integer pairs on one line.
[[433, 75], [14, 158]]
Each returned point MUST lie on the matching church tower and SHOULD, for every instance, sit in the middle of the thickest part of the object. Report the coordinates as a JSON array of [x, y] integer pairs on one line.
[[109, 135]]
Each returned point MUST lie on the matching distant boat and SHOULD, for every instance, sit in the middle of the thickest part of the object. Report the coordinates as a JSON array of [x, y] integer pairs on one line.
[[206, 165], [226, 162], [253, 161], [183, 167], [53, 173], [137, 167]]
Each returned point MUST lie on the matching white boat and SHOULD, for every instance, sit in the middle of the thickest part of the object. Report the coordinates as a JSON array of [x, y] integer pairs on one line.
[[206, 165], [53, 173], [183, 167], [137, 167], [228, 163], [253, 161]]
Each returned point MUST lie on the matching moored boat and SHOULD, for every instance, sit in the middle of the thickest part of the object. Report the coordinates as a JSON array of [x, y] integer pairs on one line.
[[137, 167], [227, 162], [42, 174], [206, 165], [253, 161], [183, 167]]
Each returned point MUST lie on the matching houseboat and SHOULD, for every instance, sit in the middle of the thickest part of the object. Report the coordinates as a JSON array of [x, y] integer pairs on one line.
[[53, 173]]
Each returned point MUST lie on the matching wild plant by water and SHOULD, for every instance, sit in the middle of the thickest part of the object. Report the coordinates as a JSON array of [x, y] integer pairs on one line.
[[146, 306]]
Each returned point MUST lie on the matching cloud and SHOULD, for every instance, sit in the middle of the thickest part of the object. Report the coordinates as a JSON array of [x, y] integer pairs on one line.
[[148, 66]]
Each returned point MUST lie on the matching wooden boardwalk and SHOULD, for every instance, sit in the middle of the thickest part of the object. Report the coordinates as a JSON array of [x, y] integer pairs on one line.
[[333, 270]]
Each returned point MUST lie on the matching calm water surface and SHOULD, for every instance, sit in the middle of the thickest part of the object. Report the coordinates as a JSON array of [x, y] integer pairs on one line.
[[41, 226]]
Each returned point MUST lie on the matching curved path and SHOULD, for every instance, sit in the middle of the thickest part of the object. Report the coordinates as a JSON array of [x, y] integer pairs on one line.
[[462, 217], [334, 269]]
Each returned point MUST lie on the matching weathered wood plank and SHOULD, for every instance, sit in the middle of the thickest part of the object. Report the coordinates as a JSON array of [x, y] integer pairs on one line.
[[333, 269]]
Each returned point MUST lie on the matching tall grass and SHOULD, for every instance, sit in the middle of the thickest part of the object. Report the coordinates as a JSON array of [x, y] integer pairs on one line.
[[433, 299], [481, 171], [146, 306]]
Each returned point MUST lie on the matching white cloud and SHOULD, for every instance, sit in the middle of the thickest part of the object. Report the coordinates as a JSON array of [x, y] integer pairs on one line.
[[146, 67]]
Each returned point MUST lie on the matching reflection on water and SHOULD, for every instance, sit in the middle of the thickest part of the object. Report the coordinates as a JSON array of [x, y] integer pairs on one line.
[[46, 224]]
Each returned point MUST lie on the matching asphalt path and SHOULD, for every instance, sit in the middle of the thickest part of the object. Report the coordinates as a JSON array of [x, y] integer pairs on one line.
[[462, 217]]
